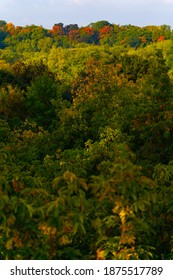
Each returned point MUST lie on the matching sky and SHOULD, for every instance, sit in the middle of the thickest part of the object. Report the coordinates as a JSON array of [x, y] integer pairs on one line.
[[83, 12]]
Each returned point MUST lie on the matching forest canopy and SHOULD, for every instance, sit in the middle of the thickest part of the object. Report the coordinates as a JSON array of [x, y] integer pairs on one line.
[[86, 142]]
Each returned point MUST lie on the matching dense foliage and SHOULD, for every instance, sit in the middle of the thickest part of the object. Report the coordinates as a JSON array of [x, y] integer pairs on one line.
[[86, 142]]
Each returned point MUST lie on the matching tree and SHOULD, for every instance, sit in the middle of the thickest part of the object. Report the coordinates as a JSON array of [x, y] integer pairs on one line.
[[87, 35], [86, 143], [3, 35], [149, 114], [25, 74], [10, 28], [57, 30], [2, 23], [38, 99], [99, 24], [12, 106], [70, 27]]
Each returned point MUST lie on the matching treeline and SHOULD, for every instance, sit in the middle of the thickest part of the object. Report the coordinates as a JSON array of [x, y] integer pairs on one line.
[[86, 150], [37, 38]]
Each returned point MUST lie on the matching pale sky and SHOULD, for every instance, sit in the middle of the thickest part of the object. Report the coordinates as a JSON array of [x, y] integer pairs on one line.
[[83, 12]]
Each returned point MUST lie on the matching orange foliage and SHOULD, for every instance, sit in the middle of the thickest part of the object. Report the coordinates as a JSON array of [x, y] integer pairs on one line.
[[73, 34], [18, 29], [10, 28], [89, 30], [161, 38], [57, 30], [26, 30], [143, 39], [104, 31], [122, 42]]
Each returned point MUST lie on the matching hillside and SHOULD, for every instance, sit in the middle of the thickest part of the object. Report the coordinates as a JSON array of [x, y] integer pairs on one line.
[[86, 142]]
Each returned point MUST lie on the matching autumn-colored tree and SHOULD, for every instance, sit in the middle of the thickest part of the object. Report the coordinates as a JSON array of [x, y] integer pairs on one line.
[[161, 38], [74, 35], [88, 30], [87, 35], [103, 32], [57, 30], [18, 29], [143, 39], [26, 30], [86, 150], [10, 28]]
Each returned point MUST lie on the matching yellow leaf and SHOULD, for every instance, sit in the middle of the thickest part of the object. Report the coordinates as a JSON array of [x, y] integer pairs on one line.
[[9, 244], [117, 207], [122, 215], [100, 254], [64, 240]]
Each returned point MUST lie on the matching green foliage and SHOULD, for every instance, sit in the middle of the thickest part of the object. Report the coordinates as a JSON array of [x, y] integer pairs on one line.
[[26, 73], [99, 24], [86, 146], [12, 104], [38, 100], [36, 38]]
